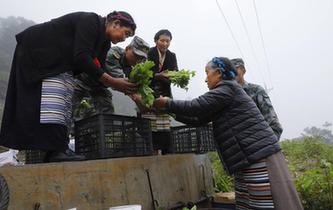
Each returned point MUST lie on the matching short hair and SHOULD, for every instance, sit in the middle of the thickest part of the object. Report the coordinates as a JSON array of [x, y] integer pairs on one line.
[[124, 18], [165, 32]]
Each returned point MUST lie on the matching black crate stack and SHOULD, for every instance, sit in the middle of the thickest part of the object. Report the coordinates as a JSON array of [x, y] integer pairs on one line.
[[186, 139], [34, 156], [108, 135]]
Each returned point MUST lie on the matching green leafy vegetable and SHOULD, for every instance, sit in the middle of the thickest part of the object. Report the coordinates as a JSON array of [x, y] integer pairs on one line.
[[180, 78], [193, 208], [142, 74]]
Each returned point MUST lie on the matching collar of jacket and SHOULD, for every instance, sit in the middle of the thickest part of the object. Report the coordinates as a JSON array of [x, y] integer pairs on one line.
[[123, 62], [156, 51], [225, 82]]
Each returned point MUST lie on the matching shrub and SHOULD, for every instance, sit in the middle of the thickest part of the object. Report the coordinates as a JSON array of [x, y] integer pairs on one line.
[[223, 182], [310, 161]]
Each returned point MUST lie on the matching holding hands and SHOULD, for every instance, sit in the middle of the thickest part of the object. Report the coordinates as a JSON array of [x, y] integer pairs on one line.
[[136, 97], [159, 103]]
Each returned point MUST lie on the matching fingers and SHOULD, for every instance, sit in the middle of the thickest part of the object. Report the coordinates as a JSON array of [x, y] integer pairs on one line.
[[131, 90]]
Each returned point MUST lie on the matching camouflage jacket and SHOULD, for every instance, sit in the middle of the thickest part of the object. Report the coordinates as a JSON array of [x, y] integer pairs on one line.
[[114, 65], [261, 98]]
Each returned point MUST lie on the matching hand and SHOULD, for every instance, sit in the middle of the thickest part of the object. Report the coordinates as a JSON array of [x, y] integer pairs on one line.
[[162, 76], [161, 102], [136, 97], [120, 84]]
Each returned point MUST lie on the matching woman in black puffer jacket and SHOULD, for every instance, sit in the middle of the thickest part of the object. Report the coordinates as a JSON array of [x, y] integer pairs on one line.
[[246, 144]]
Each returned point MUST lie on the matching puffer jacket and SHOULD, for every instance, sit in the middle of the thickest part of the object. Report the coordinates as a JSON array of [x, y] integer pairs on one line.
[[241, 134]]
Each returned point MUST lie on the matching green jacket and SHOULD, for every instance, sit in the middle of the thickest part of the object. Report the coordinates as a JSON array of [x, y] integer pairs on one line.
[[115, 63], [261, 98]]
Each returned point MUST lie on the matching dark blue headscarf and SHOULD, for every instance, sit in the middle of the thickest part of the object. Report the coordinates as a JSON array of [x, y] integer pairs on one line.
[[225, 67]]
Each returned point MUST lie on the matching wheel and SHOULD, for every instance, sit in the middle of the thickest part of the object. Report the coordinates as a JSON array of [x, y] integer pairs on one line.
[[4, 194]]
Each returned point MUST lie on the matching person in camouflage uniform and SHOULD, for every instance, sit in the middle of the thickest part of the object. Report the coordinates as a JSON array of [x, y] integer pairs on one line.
[[259, 96], [91, 97]]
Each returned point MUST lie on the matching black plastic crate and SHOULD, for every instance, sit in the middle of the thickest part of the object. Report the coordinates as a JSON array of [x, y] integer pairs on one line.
[[108, 135], [34, 156], [186, 139]]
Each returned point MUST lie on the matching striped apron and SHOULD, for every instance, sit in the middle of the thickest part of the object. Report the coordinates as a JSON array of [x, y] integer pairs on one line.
[[253, 187], [158, 122], [56, 100]]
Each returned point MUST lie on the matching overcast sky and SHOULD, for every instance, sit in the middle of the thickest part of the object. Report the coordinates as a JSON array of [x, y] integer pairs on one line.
[[297, 37]]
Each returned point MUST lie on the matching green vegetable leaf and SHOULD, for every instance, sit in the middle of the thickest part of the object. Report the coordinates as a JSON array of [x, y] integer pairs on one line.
[[180, 78], [142, 74]]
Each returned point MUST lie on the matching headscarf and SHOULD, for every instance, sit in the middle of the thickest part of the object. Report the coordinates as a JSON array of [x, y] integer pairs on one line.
[[225, 67]]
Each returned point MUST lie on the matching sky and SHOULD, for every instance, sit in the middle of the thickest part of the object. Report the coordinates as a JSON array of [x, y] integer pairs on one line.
[[292, 58]]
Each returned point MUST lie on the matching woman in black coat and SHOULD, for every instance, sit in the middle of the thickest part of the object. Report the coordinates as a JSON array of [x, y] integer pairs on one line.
[[164, 60], [38, 103], [247, 146]]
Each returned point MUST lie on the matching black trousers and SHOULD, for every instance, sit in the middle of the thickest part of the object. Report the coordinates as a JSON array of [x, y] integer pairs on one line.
[[162, 141]]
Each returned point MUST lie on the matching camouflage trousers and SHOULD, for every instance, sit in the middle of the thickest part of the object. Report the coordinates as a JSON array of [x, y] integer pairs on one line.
[[90, 100]]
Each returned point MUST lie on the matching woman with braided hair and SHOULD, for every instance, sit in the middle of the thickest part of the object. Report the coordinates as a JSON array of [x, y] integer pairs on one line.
[[38, 105], [247, 146]]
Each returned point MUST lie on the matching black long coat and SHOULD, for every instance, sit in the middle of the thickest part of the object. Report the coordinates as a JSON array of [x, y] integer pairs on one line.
[[68, 43], [162, 87]]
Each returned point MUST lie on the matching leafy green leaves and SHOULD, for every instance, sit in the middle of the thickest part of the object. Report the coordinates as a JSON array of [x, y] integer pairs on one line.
[[181, 78], [193, 208], [142, 74]]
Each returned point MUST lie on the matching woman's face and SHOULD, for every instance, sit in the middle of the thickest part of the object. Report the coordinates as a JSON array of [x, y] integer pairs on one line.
[[117, 33], [163, 43], [213, 77]]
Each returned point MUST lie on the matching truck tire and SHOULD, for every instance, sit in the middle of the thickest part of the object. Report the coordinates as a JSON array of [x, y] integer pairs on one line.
[[4, 194]]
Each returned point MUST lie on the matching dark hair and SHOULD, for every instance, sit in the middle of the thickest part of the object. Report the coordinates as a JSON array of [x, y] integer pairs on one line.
[[165, 32], [225, 66], [124, 18]]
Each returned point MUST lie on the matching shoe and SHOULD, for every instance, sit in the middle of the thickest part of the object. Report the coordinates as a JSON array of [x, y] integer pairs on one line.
[[68, 155]]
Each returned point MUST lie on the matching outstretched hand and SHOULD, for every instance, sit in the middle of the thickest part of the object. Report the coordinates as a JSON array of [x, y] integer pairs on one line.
[[120, 84], [136, 97]]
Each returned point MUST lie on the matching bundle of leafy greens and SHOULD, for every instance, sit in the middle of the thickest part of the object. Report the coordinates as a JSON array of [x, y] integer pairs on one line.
[[142, 74], [180, 78]]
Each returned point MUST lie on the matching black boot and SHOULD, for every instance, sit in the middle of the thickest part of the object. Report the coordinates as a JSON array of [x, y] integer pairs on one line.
[[68, 155]]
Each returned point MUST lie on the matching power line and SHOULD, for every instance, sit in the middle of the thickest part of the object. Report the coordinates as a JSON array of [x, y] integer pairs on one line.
[[262, 42], [229, 27], [249, 39]]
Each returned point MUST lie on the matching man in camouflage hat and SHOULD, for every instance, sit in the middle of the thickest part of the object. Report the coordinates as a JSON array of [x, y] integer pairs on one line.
[[92, 97], [259, 96]]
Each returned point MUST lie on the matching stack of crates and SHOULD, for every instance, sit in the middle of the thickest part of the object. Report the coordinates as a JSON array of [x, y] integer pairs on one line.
[[109, 135], [34, 156], [187, 139]]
